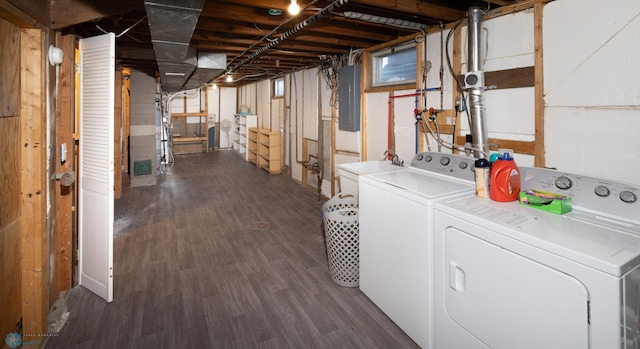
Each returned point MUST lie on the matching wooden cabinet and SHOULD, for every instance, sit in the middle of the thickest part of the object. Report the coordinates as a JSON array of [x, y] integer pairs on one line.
[[268, 151], [241, 125]]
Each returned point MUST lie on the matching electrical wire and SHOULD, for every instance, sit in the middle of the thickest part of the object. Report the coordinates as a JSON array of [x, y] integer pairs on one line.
[[266, 36], [329, 70], [124, 31]]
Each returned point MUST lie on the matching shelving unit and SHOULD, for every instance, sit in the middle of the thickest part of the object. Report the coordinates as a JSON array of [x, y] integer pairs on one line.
[[268, 145], [189, 137], [252, 145], [242, 122]]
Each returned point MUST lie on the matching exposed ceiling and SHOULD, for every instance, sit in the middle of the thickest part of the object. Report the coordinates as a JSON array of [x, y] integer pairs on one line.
[[258, 42]]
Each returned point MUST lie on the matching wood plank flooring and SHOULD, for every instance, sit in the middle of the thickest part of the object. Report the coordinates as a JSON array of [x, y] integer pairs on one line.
[[219, 254]]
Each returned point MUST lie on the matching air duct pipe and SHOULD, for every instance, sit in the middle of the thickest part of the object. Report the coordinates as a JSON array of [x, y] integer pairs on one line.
[[474, 82]]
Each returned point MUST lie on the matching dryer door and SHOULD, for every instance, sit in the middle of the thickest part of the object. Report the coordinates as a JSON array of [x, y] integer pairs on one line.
[[507, 301]]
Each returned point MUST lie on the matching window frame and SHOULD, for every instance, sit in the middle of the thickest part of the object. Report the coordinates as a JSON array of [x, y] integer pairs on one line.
[[275, 88], [375, 71]]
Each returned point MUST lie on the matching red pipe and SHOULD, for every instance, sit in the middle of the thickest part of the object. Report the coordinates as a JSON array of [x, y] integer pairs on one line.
[[389, 126]]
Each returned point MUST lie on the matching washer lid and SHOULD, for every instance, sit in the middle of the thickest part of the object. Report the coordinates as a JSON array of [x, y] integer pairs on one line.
[[427, 185], [598, 242]]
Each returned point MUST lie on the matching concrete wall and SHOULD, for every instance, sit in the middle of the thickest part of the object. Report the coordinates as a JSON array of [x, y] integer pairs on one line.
[[142, 142]]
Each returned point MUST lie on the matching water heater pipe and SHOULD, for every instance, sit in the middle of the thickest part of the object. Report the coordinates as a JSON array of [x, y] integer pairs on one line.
[[476, 94]]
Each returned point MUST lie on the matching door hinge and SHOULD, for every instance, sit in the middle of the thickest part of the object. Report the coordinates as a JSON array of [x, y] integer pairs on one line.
[[77, 255]]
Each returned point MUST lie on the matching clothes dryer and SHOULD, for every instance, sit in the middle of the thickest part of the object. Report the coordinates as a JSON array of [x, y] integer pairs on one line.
[[509, 276]]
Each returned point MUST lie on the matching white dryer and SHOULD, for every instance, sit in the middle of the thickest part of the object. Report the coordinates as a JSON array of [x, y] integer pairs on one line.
[[396, 223], [509, 276]]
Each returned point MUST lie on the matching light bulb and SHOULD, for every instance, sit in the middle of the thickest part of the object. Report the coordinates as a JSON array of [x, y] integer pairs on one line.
[[229, 78], [294, 9]]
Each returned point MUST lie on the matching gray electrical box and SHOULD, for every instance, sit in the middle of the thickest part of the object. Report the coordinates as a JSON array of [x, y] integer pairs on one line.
[[349, 98]]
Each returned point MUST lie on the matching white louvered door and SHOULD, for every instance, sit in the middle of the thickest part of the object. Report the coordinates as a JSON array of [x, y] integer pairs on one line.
[[96, 170]]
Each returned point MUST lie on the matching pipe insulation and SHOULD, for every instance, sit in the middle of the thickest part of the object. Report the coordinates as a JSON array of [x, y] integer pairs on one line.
[[476, 93], [334, 5]]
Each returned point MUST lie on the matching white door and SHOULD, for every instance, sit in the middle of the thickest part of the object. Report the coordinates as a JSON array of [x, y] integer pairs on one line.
[[96, 170], [505, 300]]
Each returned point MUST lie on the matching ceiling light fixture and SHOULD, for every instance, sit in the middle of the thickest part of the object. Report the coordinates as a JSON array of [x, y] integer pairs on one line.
[[229, 78], [294, 9], [173, 74]]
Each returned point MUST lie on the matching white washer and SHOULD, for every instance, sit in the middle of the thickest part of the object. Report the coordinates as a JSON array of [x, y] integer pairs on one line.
[[349, 174], [396, 223], [510, 276]]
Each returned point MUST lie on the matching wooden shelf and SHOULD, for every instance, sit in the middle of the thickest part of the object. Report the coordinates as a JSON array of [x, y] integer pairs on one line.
[[252, 145], [268, 151]]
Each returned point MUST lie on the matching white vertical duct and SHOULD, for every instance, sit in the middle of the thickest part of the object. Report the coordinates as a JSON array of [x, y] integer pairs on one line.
[[474, 81]]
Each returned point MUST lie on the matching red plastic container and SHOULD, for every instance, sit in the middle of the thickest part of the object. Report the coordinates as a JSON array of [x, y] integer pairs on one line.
[[505, 179]]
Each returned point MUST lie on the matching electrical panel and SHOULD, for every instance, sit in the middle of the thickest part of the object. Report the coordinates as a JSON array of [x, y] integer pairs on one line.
[[349, 98]]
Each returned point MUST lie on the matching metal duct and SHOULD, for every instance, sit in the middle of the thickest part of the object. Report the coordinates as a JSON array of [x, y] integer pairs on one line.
[[394, 22], [288, 33], [209, 65], [474, 81], [171, 23]]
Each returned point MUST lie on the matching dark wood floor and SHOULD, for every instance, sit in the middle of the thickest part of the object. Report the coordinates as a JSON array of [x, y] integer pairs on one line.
[[219, 254]]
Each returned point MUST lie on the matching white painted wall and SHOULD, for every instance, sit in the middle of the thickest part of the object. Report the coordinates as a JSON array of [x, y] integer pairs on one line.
[[592, 113], [263, 103]]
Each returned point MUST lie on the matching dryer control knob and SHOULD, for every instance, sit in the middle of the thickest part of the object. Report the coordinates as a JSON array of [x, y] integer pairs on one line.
[[463, 165], [602, 191], [563, 183], [428, 158], [444, 161], [628, 197], [419, 157]]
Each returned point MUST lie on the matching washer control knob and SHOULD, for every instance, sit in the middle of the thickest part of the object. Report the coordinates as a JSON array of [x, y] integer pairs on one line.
[[444, 161], [419, 157], [602, 191], [628, 197], [563, 183], [463, 165], [428, 158]]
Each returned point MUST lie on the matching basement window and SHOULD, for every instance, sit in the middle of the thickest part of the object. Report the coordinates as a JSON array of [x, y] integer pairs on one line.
[[278, 87], [394, 66]]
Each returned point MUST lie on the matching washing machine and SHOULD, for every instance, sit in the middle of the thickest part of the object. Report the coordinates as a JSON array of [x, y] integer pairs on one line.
[[396, 218], [511, 276]]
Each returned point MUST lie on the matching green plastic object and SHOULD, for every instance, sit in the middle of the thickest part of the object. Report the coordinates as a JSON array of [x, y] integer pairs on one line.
[[546, 201]]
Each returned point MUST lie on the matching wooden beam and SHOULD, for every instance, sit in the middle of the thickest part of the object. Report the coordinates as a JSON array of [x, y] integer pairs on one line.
[[539, 156], [365, 82], [516, 7], [34, 244], [64, 201], [508, 78], [417, 7], [126, 116], [65, 13], [457, 66], [10, 270], [520, 147], [117, 141], [25, 13], [501, 2]]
